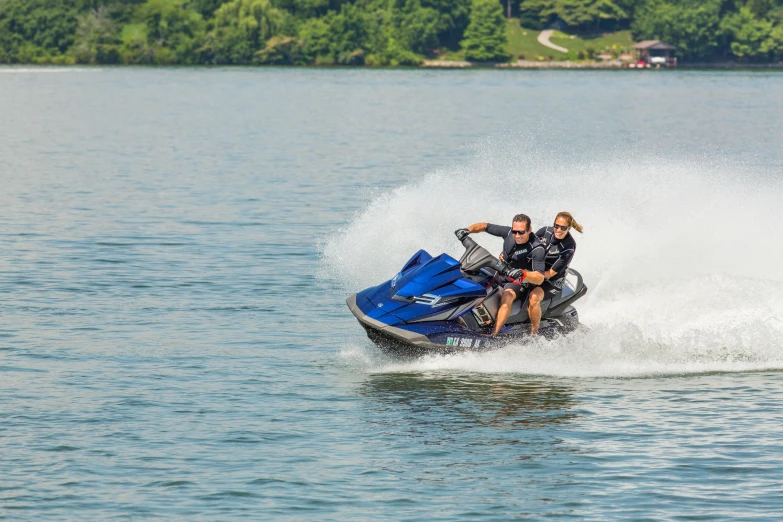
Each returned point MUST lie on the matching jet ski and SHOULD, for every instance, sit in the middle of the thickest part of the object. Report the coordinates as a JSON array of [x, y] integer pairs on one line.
[[438, 305]]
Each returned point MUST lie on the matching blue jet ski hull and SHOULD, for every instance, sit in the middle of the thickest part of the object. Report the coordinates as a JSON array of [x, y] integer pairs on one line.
[[448, 337]]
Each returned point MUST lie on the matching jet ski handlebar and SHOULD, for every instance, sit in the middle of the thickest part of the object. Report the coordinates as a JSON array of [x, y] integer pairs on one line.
[[477, 257], [462, 233]]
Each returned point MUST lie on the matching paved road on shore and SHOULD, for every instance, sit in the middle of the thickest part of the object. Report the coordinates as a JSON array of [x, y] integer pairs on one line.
[[543, 39]]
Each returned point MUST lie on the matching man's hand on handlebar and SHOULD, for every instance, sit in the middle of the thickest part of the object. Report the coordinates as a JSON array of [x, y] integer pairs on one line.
[[462, 233], [517, 275]]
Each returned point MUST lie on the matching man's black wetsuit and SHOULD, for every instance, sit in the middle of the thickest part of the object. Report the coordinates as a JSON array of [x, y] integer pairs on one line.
[[527, 256], [559, 254]]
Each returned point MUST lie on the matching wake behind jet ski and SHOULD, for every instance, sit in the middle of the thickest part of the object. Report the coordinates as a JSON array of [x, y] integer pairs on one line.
[[441, 305]]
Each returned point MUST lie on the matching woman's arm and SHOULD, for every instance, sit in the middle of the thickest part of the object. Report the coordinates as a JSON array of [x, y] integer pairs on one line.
[[561, 264]]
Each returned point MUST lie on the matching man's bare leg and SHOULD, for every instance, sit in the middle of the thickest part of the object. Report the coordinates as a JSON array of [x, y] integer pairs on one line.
[[534, 309], [506, 300]]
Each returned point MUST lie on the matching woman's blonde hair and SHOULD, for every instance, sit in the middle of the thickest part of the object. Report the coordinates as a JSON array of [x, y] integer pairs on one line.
[[571, 221]]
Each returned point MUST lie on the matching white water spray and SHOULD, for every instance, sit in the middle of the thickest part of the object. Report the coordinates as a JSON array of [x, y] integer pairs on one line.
[[682, 259]]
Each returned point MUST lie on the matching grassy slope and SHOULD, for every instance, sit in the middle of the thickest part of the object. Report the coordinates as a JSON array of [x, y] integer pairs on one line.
[[619, 41], [523, 43]]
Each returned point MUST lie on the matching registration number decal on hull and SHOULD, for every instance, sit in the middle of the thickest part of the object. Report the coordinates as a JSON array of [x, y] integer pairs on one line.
[[464, 342]]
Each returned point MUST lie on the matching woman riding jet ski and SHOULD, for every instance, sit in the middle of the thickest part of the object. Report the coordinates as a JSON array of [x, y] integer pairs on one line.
[[441, 305]]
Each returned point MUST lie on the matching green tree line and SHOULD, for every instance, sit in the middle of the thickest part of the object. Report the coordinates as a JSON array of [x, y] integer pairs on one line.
[[364, 32]]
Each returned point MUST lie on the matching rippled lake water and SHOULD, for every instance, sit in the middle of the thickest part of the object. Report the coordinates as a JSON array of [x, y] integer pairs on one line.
[[176, 246]]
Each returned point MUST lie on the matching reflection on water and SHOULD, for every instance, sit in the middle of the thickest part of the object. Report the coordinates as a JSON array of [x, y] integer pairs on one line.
[[459, 402], [470, 431]]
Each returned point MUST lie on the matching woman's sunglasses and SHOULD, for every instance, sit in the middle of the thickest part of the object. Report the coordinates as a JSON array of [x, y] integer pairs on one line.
[[560, 227]]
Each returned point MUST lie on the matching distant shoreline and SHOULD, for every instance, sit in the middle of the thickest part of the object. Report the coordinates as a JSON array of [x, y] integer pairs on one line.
[[614, 65], [425, 65]]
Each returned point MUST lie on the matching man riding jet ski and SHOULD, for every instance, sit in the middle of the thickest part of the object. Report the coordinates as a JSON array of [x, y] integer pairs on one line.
[[441, 305]]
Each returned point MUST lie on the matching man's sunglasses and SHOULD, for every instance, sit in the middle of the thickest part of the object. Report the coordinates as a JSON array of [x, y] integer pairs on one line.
[[519, 232], [560, 227]]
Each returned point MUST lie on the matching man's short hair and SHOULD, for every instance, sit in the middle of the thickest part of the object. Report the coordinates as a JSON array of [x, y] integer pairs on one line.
[[522, 218]]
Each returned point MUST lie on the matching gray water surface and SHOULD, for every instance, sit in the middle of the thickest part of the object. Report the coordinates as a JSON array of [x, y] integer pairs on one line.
[[174, 341]]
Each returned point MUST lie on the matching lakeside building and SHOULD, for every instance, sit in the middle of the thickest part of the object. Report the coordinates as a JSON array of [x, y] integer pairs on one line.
[[653, 53]]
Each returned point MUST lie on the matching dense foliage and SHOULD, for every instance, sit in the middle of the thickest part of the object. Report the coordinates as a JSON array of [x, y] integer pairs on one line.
[[709, 29], [485, 37], [364, 32], [585, 15]]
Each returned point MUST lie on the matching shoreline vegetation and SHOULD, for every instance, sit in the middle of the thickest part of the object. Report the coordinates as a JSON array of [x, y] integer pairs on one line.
[[594, 65], [530, 34]]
